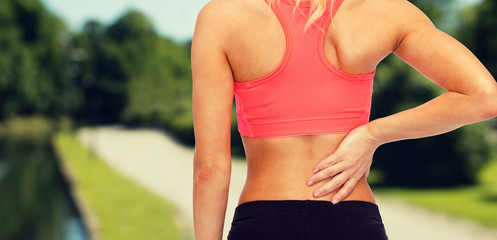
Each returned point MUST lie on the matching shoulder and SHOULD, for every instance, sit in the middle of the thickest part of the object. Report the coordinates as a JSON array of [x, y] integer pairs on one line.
[[213, 21], [400, 17], [225, 11], [215, 12], [402, 14], [224, 18], [388, 13], [394, 12], [216, 7]]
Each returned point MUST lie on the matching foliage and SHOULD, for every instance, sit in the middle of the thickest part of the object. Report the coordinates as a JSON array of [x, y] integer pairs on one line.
[[123, 209], [134, 76], [479, 201], [478, 33], [29, 128], [33, 66], [121, 72]]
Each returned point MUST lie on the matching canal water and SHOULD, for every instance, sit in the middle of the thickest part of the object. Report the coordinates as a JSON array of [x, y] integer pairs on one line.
[[34, 199]]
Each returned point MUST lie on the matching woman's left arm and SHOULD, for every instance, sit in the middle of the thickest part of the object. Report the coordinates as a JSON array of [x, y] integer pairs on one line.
[[212, 98], [471, 97]]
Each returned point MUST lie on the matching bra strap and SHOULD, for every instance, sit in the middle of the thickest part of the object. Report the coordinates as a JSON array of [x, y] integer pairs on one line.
[[336, 6]]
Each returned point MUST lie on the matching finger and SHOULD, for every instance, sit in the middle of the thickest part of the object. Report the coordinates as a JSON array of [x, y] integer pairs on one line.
[[329, 161], [330, 186], [345, 190], [325, 173]]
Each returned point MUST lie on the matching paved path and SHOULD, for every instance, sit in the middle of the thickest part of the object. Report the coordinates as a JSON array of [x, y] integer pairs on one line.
[[154, 160]]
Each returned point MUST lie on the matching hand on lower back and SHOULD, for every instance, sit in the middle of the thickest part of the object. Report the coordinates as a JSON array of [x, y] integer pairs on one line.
[[346, 166]]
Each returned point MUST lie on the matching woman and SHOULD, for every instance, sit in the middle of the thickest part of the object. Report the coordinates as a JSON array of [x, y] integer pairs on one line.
[[302, 80]]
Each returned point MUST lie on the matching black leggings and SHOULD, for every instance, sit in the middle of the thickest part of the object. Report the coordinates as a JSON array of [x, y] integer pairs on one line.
[[307, 219]]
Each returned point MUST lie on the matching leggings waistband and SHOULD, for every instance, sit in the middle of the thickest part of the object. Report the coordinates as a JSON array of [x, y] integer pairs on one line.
[[306, 207]]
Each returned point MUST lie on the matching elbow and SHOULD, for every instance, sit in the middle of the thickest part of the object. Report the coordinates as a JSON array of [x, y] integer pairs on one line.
[[489, 104], [492, 110], [212, 171], [212, 174]]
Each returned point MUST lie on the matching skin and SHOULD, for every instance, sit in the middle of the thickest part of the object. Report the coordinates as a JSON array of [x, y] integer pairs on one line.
[[240, 40]]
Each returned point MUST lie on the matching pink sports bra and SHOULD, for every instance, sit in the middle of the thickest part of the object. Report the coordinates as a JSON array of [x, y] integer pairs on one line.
[[305, 94]]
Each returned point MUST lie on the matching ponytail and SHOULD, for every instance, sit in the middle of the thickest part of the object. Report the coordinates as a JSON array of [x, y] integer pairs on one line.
[[318, 7]]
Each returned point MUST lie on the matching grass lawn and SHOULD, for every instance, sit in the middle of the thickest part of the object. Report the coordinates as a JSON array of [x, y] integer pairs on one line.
[[122, 208], [475, 202]]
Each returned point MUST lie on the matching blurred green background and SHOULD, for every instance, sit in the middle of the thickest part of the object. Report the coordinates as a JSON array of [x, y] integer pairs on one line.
[[55, 77]]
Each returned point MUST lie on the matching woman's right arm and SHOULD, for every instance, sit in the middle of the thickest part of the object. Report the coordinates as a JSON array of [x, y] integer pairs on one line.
[[471, 90]]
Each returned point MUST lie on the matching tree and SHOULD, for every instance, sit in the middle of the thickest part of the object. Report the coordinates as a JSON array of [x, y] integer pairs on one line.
[[133, 75], [478, 33], [34, 62]]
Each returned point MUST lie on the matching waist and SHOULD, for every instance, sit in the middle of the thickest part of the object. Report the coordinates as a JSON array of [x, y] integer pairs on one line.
[[278, 168], [294, 187]]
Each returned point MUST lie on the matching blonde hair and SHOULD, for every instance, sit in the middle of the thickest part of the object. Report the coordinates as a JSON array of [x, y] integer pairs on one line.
[[318, 7]]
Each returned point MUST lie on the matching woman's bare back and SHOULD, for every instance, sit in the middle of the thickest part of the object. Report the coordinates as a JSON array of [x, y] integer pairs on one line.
[[356, 42]]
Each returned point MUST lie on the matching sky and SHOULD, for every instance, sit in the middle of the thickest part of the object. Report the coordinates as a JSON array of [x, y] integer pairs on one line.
[[172, 18]]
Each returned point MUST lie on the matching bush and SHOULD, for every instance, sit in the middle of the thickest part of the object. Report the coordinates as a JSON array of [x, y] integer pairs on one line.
[[34, 127]]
